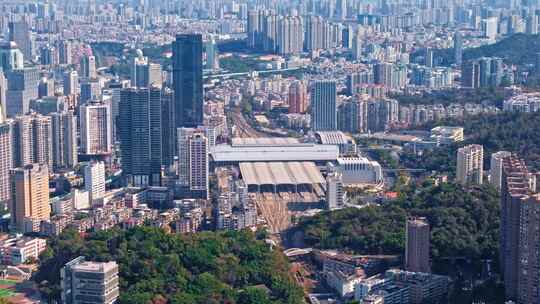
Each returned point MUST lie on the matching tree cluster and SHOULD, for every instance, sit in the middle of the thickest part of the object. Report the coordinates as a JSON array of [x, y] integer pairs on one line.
[[464, 223], [156, 267]]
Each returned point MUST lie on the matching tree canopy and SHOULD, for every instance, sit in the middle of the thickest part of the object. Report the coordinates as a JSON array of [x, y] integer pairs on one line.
[[514, 132], [464, 222], [156, 267]]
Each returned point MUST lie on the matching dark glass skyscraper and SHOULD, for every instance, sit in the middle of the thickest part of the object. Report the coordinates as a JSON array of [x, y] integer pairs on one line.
[[140, 131], [187, 80]]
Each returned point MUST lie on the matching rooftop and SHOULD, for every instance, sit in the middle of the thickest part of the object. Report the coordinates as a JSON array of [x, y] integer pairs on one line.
[[281, 173]]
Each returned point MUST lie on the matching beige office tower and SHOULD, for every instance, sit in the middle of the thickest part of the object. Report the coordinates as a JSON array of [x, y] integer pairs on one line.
[[470, 165], [417, 246], [193, 149], [30, 196], [32, 140], [64, 140], [96, 129], [198, 162]]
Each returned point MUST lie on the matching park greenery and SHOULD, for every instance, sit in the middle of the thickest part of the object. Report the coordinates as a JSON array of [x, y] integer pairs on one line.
[[519, 49], [514, 132], [489, 96], [157, 267], [464, 223]]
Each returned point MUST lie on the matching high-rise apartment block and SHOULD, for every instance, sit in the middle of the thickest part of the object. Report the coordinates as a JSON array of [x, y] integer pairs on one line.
[[64, 140], [417, 245], [85, 282], [199, 165], [470, 165], [32, 140], [193, 161], [517, 228], [334, 190], [30, 197], [323, 106], [290, 36], [496, 167], [297, 97], [96, 129], [94, 181]]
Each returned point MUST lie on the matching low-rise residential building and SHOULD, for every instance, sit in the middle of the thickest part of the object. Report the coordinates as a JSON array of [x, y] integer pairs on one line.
[[18, 250]]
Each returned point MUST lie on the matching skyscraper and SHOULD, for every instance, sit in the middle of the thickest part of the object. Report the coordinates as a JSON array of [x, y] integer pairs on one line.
[[5, 163], [168, 130], [89, 282], [323, 106], [32, 140], [470, 75], [65, 52], [314, 33], [211, 51], [417, 250], [529, 255], [94, 181], [297, 97], [429, 57], [290, 36], [458, 48], [22, 87], [71, 83], [11, 58], [187, 80], [140, 134], [470, 165], [496, 167], [19, 32], [145, 74], [357, 45], [88, 67], [198, 163], [352, 116], [489, 27], [96, 129], [3, 90], [193, 160], [516, 186], [64, 140], [30, 197]]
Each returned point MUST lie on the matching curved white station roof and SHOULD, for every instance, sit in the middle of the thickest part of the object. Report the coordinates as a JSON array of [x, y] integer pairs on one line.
[[281, 173]]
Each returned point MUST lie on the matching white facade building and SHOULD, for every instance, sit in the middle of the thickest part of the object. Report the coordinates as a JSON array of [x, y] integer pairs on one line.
[[94, 181], [359, 170]]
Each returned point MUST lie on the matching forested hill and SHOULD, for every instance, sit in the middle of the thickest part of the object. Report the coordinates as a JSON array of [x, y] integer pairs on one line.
[[516, 49], [156, 267]]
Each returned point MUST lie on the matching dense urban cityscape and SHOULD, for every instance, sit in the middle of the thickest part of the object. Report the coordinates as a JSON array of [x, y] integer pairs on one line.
[[269, 151]]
